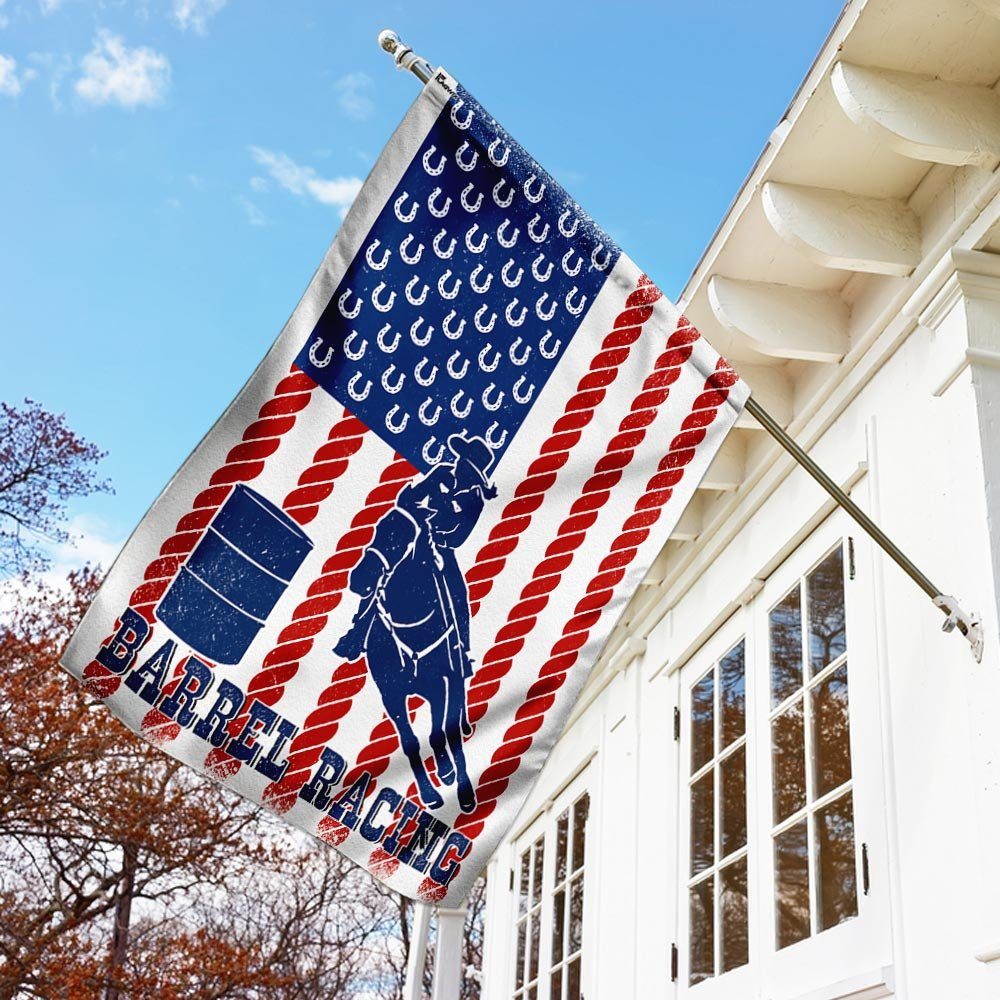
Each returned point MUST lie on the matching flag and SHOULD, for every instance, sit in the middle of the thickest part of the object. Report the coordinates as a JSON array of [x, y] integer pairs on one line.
[[371, 596]]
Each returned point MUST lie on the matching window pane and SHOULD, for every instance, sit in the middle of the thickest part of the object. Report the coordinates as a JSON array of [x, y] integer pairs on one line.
[[702, 823], [536, 877], [562, 844], [786, 647], [791, 889], [558, 922], [835, 863], [522, 899], [733, 918], [535, 921], [733, 695], [702, 722], [520, 953], [533, 993], [573, 981], [702, 946], [733, 804], [827, 634], [788, 753], [555, 993], [831, 733], [576, 916], [581, 809]]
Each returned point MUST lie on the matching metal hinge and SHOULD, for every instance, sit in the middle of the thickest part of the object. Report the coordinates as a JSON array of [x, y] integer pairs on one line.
[[677, 723], [866, 881], [511, 886], [674, 962], [851, 568]]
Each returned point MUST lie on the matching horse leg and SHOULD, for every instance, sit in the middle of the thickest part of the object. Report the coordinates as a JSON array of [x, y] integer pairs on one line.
[[411, 747], [453, 728], [437, 698]]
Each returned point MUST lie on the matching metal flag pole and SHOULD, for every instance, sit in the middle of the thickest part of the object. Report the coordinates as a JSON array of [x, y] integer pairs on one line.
[[968, 624]]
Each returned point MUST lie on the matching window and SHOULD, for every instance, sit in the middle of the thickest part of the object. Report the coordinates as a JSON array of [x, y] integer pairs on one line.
[[717, 890], [549, 892], [812, 806], [775, 812]]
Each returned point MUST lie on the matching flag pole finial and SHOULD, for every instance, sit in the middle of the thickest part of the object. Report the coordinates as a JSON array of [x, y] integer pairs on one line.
[[404, 56]]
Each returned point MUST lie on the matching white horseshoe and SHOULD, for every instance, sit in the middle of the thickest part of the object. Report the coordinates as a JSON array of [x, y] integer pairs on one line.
[[463, 125], [540, 313], [396, 429], [568, 231], [392, 388], [501, 239], [424, 340], [537, 271], [424, 380], [575, 310], [402, 250], [485, 286], [538, 238], [533, 198], [461, 414], [438, 213], [454, 290], [380, 339], [434, 171], [446, 326], [492, 406], [474, 247], [516, 393], [519, 359], [460, 374], [507, 280], [354, 393], [348, 313], [549, 354], [497, 161], [382, 307], [355, 355], [425, 451], [415, 300], [571, 272], [443, 254], [495, 443], [424, 419], [481, 326], [313, 349], [370, 256], [486, 365], [462, 165], [595, 262], [508, 312], [464, 199], [501, 203], [398, 205]]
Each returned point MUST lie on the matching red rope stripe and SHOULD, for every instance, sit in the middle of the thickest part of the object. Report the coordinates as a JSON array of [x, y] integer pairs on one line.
[[505, 535], [326, 594], [521, 619], [530, 716], [244, 462]]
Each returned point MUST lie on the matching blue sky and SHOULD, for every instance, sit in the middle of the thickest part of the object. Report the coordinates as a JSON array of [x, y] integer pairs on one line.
[[173, 170]]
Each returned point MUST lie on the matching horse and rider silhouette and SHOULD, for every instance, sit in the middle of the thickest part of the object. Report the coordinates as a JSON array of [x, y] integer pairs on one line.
[[413, 621]]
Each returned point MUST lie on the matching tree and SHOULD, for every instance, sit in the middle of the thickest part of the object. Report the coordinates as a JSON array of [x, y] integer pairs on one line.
[[43, 465]]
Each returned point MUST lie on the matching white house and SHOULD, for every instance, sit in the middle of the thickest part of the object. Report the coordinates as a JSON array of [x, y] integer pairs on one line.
[[783, 780]]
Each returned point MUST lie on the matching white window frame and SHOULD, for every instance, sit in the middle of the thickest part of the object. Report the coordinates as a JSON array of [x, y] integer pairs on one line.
[[862, 943]]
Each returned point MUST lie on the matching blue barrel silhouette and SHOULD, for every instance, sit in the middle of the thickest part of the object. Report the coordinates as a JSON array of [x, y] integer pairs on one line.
[[222, 595]]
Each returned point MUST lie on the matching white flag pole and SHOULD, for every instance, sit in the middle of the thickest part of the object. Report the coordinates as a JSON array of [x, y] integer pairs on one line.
[[968, 624], [414, 988]]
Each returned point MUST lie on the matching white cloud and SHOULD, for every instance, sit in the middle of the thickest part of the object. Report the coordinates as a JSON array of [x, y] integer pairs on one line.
[[49, 6], [10, 83], [254, 215], [259, 184], [336, 191], [116, 74], [354, 95], [195, 14]]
